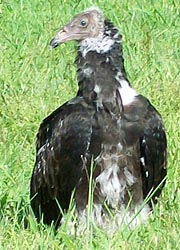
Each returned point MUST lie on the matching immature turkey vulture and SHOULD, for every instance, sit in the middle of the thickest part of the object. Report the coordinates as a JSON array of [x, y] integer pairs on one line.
[[107, 123]]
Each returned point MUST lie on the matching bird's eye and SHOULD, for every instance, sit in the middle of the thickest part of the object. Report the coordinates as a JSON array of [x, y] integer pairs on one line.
[[83, 23]]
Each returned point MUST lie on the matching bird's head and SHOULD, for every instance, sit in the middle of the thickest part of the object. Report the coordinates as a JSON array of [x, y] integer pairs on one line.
[[88, 24]]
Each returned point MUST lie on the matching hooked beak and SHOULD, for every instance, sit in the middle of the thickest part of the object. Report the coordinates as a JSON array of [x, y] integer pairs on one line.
[[68, 33], [61, 37]]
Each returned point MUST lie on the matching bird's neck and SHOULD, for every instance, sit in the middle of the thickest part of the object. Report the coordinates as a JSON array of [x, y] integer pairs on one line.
[[107, 46], [101, 74]]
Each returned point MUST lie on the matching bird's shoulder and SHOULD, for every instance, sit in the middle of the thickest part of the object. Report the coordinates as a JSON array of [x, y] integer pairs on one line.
[[65, 119]]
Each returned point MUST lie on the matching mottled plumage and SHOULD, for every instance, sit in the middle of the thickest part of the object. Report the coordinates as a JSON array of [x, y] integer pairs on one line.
[[109, 122]]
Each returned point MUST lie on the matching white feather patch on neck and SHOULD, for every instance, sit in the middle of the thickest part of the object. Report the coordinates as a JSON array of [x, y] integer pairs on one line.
[[127, 93], [98, 44]]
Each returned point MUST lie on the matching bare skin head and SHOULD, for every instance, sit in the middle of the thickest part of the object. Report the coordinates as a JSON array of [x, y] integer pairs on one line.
[[88, 24]]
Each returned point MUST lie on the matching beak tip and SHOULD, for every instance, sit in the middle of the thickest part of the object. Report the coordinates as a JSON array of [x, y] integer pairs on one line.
[[54, 43]]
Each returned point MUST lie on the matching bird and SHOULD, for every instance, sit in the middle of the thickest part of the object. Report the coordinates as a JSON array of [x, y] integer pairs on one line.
[[108, 132]]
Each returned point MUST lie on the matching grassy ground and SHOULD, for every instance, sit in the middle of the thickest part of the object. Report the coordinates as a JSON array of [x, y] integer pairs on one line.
[[34, 81]]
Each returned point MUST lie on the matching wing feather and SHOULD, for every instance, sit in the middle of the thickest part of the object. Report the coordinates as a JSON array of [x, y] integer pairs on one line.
[[143, 122], [62, 140], [153, 146]]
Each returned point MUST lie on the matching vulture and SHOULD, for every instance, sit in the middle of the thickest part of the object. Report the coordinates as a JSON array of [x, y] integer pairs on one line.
[[108, 135]]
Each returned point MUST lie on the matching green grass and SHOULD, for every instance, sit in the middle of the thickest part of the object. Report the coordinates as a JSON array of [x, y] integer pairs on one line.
[[35, 80]]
